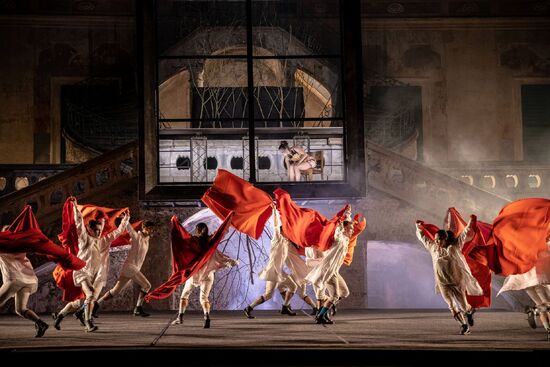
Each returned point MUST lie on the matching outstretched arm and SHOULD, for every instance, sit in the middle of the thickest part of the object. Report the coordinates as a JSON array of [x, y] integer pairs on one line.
[[79, 223], [121, 227], [469, 232], [421, 236]]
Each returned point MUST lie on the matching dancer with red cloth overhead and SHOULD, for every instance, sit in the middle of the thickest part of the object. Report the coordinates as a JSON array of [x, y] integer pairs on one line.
[[204, 277], [193, 255], [93, 248], [138, 235], [18, 277], [453, 278]]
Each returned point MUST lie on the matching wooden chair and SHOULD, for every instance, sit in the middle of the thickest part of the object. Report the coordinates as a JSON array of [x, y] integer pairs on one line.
[[319, 167]]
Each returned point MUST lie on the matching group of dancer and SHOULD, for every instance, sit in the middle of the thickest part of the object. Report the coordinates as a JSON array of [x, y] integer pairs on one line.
[[307, 249]]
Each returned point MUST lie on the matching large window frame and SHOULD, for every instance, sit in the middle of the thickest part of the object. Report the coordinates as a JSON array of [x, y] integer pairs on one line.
[[354, 183]]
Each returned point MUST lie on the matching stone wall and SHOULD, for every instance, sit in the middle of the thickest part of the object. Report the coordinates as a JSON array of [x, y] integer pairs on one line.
[[470, 72]]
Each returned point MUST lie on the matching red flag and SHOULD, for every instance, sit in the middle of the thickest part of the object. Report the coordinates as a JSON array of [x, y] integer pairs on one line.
[[478, 263], [188, 256], [306, 227], [358, 227], [520, 232], [251, 206], [69, 240], [95, 212], [24, 236]]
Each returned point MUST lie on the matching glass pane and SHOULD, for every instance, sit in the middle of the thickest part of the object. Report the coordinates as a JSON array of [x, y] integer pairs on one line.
[[191, 27], [203, 89], [196, 159], [296, 27], [297, 88], [312, 153]]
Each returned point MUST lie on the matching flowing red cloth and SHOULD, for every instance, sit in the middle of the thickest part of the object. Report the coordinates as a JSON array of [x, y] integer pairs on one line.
[[69, 240], [478, 247], [251, 206], [124, 238], [358, 227], [306, 227], [188, 256], [95, 212], [520, 232], [24, 236]]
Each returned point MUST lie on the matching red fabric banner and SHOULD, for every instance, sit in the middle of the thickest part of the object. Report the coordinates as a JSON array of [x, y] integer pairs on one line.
[[358, 227], [24, 236], [251, 206], [520, 232], [188, 256], [306, 227]]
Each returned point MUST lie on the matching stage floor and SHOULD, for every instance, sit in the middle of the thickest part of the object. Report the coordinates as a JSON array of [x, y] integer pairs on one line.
[[388, 334]]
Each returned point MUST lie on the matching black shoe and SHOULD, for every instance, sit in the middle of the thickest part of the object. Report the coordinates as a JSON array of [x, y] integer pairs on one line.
[[314, 311], [464, 329], [207, 323], [333, 310], [326, 320], [79, 314], [287, 310], [470, 317], [57, 318], [90, 327], [178, 320], [95, 310], [531, 317], [41, 328], [248, 312], [138, 311]]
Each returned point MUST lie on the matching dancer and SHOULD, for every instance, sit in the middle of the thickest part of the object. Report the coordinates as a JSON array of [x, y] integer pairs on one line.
[[536, 283], [296, 160], [94, 249], [451, 271], [325, 275], [19, 281], [204, 277], [131, 269], [274, 274]]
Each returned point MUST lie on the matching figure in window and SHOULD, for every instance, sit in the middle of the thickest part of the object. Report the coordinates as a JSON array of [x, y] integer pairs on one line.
[[296, 160]]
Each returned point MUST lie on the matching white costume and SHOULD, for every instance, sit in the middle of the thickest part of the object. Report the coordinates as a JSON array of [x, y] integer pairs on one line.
[[205, 276], [538, 275], [451, 271], [325, 274], [18, 278], [131, 270], [95, 252]]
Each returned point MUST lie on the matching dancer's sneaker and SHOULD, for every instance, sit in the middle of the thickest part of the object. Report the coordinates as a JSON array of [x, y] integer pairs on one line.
[[470, 317], [326, 320], [57, 320], [333, 310], [79, 315], [138, 311], [314, 311], [207, 323], [41, 328], [531, 317], [178, 320], [464, 329], [90, 327], [248, 312], [287, 310]]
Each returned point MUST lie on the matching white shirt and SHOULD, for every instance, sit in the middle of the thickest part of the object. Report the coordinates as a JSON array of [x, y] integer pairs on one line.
[[218, 261], [332, 261], [17, 267], [95, 251], [449, 264], [137, 253]]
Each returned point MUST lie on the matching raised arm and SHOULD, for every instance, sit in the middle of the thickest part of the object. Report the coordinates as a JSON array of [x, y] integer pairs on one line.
[[421, 236], [79, 223], [469, 232], [121, 227], [132, 232]]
